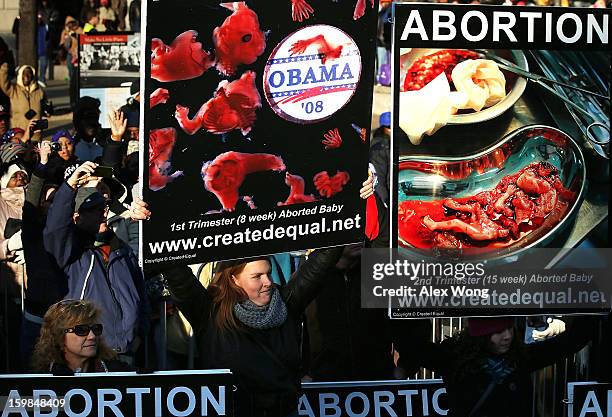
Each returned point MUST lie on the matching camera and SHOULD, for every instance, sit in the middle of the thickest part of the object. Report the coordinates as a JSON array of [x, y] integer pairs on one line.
[[41, 124], [55, 147], [30, 114], [47, 108]]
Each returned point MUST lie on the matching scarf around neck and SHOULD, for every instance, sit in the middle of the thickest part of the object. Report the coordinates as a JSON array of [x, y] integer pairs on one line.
[[262, 317], [498, 369]]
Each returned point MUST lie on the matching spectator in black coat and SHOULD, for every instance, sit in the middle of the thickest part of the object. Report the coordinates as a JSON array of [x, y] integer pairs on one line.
[[340, 349], [487, 368], [46, 282]]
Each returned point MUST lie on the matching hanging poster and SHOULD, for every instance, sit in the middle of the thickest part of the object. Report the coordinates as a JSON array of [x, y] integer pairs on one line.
[[108, 60]]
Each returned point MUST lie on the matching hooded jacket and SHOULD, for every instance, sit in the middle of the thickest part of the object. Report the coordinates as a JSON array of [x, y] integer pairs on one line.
[[22, 98], [116, 286]]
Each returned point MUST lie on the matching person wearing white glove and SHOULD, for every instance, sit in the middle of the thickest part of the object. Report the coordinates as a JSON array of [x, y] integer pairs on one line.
[[14, 242], [19, 258], [555, 328]]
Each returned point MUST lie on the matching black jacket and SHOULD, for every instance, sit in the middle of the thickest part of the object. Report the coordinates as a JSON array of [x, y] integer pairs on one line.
[[268, 379], [111, 365], [46, 282], [513, 396], [55, 169], [346, 341]]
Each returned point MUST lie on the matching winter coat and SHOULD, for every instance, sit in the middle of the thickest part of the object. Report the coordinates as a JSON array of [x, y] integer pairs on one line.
[[52, 18], [346, 341], [11, 203], [116, 287], [511, 396], [120, 7], [112, 365], [22, 98], [70, 43], [268, 379], [88, 151], [46, 282], [112, 156], [42, 35], [55, 169], [134, 15], [108, 18]]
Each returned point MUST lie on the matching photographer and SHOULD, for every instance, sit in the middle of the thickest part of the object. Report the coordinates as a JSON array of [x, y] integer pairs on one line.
[[97, 265], [26, 95], [62, 156]]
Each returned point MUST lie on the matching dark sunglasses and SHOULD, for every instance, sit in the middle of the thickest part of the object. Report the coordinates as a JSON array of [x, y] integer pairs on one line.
[[83, 329]]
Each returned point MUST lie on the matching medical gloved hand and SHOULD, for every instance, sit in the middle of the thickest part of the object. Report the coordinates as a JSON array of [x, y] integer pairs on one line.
[[555, 327]]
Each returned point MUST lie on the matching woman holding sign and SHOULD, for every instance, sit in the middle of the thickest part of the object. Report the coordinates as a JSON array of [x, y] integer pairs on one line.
[[244, 322], [487, 367]]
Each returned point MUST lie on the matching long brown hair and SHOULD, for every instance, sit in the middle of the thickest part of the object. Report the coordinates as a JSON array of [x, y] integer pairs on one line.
[[60, 316], [226, 293]]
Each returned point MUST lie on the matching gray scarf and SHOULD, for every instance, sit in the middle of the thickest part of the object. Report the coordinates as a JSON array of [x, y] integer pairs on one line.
[[262, 317]]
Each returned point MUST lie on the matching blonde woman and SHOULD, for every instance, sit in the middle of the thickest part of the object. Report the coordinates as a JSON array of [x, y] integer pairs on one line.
[[71, 340]]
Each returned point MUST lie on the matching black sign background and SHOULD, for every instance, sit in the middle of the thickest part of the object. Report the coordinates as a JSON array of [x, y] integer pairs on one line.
[[416, 398], [299, 145], [520, 30], [598, 399]]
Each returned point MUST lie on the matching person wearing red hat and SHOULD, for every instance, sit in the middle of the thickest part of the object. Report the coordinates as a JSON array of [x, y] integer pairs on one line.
[[487, 368]]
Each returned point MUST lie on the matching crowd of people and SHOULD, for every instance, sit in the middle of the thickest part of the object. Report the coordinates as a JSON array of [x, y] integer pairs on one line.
[[58, 25], [74, 293]]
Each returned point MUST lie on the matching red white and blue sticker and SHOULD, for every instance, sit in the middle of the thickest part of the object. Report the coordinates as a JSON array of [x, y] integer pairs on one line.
[[312, 74]]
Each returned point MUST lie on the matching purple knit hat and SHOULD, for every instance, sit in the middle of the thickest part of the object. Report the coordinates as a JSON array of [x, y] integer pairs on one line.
[[62, 133]]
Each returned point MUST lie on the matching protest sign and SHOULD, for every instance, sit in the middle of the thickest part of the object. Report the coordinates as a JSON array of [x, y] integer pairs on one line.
[[257, 131], [585, 399], [415, 398], [494, 151], [197, 393]]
